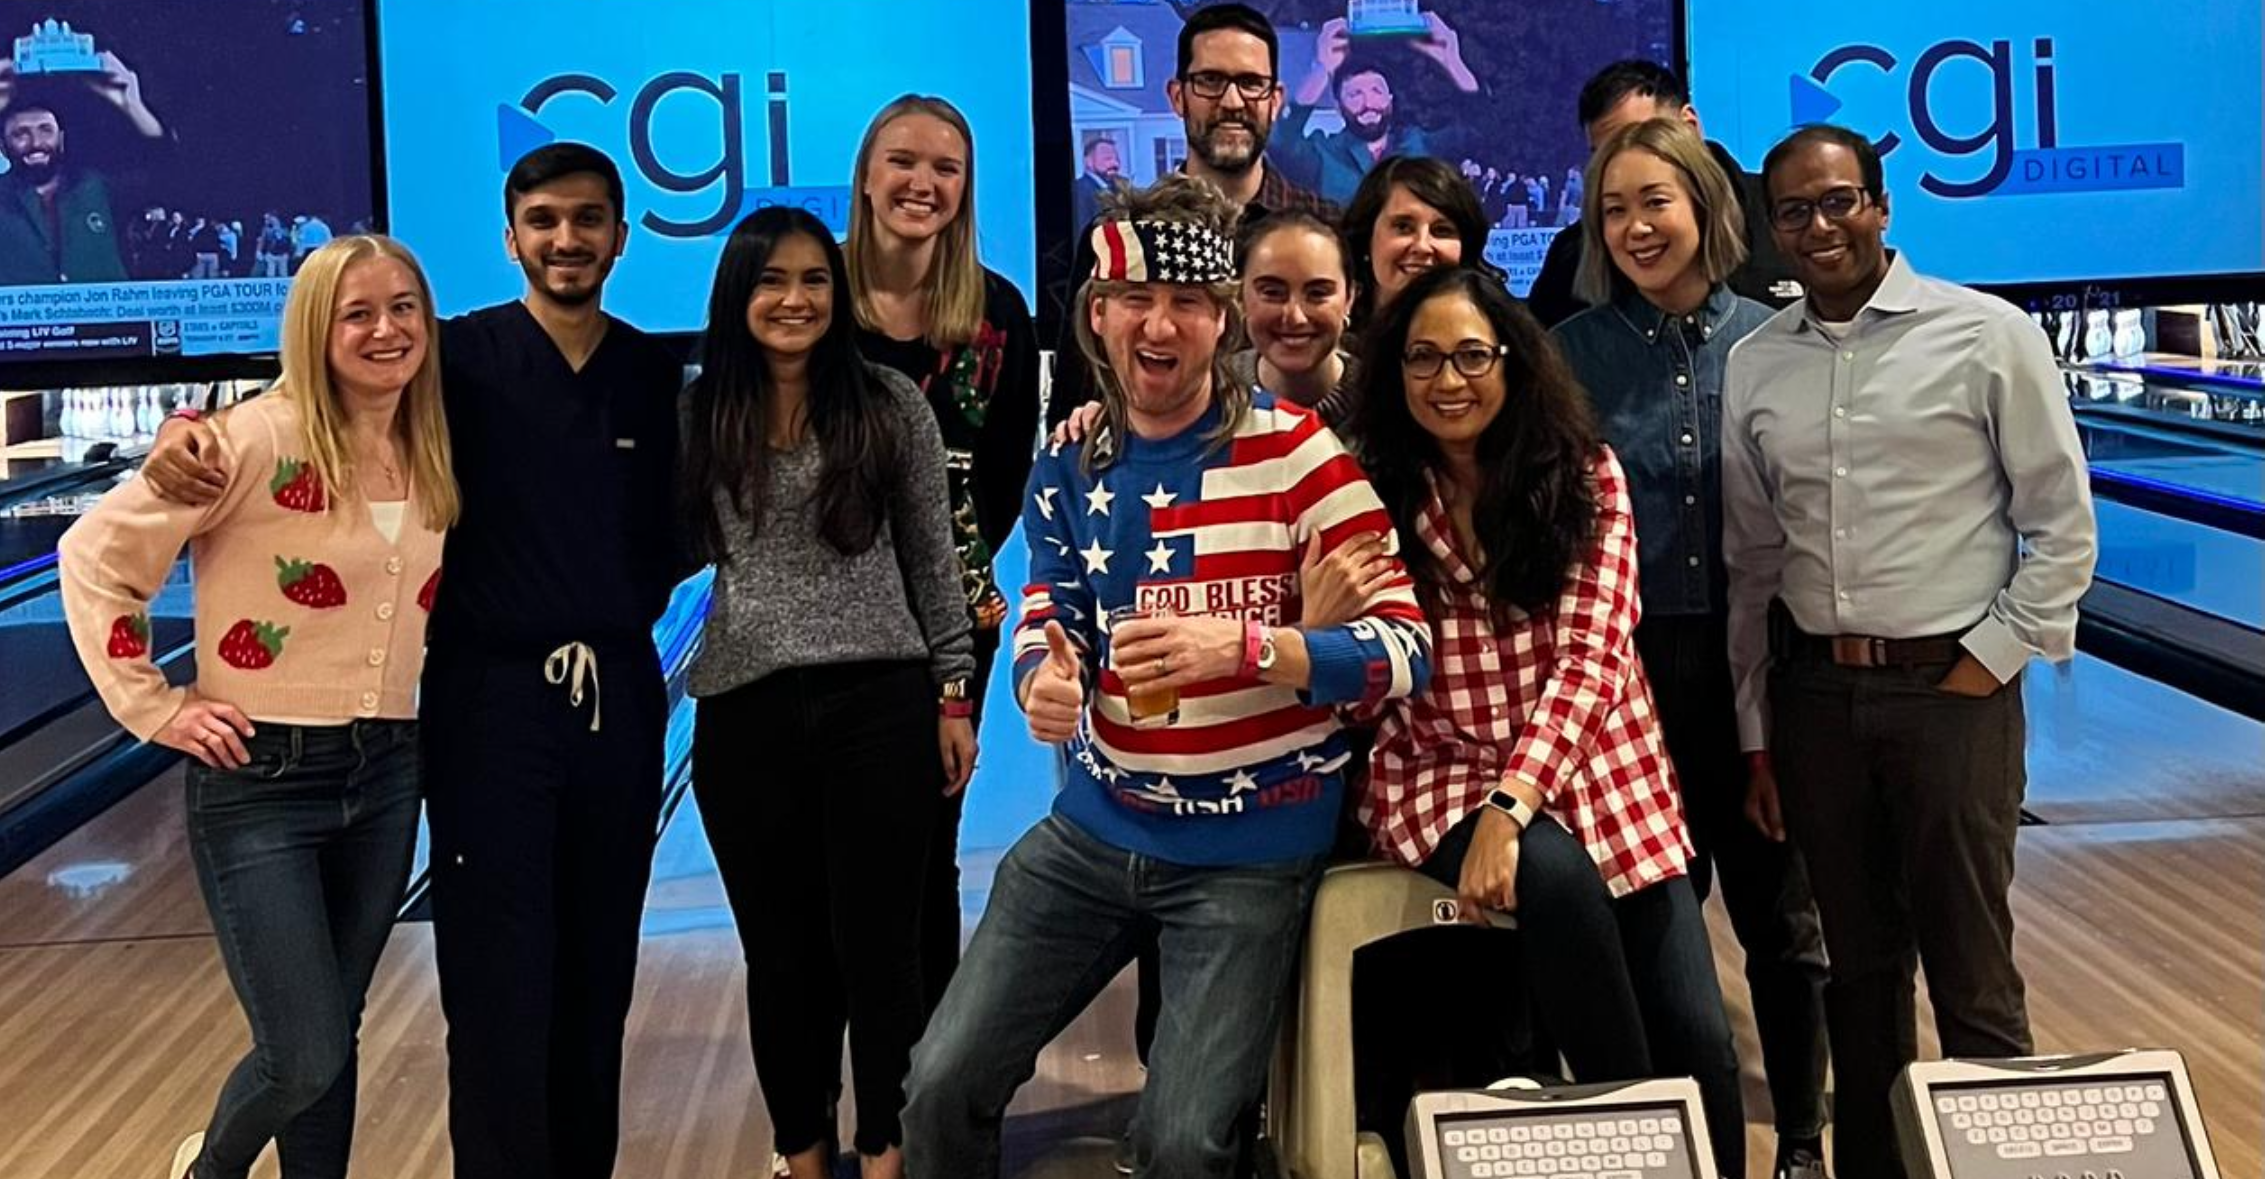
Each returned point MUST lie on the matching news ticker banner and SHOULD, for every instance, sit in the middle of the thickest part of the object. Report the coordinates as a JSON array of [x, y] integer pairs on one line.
[[185, 317]]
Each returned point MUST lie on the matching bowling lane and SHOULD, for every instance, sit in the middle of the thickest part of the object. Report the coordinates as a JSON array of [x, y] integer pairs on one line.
[[2106, 745], [2207, 569], [2227, 466], [124, 876]]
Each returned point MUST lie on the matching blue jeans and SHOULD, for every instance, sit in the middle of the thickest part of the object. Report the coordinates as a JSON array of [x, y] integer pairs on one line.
[[1765, 886], [302, 855], [1066, 913], [1626, 987]]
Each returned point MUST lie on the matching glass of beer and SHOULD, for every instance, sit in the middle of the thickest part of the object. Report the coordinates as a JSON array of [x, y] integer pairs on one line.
[[1154, 708]]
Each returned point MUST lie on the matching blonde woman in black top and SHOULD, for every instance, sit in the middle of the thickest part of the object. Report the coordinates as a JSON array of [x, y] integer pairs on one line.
[[927, 307]]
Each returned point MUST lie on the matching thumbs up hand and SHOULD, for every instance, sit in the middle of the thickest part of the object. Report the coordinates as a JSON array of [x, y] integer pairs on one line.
[[1054, 693]]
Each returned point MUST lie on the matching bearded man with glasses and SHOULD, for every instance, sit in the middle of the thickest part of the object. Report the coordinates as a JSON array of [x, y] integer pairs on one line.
[[1907, 519], [1228, 94]]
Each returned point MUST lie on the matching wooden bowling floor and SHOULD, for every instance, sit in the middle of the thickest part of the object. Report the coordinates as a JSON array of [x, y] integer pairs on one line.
[[2140, 902]]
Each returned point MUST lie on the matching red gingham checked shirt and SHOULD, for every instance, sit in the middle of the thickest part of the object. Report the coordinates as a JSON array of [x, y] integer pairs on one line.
[[1561, 700]]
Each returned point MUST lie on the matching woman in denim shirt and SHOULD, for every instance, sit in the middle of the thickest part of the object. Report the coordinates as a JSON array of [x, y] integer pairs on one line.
[[1664, 233]]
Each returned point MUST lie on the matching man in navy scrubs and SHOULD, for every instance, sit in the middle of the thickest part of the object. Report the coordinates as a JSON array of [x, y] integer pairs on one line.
[[543, 707]]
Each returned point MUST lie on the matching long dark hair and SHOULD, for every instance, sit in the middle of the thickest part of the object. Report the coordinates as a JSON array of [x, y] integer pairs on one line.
[[1435, 183], [727, 444], [1534, 511]]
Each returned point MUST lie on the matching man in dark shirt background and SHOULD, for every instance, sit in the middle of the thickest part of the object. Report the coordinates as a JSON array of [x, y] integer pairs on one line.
[[1103, 167], [543, 709], [1629, 92]]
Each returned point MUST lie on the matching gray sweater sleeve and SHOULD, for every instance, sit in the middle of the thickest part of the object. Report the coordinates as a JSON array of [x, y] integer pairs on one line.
[[920, 519]]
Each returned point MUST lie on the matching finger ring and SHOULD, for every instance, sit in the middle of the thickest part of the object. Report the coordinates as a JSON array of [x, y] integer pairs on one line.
[[1164, 666]]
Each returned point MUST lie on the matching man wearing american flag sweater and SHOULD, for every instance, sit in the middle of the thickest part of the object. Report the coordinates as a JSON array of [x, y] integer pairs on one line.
[[1193, 496]]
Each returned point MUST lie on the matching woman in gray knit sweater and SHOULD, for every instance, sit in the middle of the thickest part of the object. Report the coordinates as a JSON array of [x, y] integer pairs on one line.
[[832, 679]]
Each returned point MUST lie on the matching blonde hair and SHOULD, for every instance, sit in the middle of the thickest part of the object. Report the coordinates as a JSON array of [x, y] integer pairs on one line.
[[954, 287], [308, 317], [1175, 197], [1722, 224]]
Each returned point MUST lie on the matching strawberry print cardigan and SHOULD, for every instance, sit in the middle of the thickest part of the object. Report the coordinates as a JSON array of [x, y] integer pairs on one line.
[[303, 609]]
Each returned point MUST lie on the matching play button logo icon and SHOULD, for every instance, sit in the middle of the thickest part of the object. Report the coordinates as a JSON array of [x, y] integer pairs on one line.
[[518, 133], [1811, 102]]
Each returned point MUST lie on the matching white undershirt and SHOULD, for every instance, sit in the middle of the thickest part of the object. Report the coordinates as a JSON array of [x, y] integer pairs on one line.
[[386, 517]]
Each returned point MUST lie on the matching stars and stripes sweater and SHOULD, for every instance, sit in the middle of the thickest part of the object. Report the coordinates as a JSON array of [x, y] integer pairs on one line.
[[1249, 772]]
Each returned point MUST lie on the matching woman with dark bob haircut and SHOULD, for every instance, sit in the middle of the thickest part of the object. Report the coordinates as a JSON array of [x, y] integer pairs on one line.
[[1410, 214], [1530, 774]]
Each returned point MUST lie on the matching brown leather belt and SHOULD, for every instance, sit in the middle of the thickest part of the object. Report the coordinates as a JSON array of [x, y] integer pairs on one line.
[[1869, 651]]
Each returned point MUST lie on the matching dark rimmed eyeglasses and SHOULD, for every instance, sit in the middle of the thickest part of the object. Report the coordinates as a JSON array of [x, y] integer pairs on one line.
[[1837, 205], [1211, 84], [1471, 360]]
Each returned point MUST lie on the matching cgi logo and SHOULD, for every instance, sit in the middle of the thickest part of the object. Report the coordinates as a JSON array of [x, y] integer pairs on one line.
[[519, 131], [2007, 169]]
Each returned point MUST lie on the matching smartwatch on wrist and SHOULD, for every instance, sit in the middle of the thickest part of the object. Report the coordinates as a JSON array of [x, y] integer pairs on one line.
[[1513, 806], [1258, 649]]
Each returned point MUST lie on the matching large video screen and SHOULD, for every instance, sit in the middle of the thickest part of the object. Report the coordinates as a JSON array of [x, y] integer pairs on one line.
[[1489, 86], [2025, 141], [165, 166], [712, 107]]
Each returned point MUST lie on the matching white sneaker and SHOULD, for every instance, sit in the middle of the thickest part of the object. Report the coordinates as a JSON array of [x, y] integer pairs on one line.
[[186, 1155]]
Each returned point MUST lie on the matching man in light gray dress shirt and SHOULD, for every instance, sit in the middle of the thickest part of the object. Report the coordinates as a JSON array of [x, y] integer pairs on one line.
[[1907, 519]]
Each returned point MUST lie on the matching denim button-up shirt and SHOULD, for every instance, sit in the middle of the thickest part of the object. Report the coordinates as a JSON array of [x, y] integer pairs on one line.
[[1655, 381]]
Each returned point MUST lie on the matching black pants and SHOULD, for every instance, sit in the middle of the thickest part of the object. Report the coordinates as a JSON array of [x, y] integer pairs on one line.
[[1765, 887], [542, 845], [1626, 986], [819, 787], [940, 924], [1904, 800]]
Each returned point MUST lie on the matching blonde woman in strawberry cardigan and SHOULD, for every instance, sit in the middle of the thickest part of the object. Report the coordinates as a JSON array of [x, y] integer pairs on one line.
[[314, 571]]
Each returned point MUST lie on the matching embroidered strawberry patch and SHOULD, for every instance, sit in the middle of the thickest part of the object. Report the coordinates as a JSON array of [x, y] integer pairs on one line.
[[129, 636], [296, 486], [252, 646], [310, 583]]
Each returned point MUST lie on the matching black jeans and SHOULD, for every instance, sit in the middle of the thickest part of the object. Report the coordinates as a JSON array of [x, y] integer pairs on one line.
[[1626, 987], [302, 855], [1904, 799], [940, 924], [542, 845], [1765, 887], [819, 787]]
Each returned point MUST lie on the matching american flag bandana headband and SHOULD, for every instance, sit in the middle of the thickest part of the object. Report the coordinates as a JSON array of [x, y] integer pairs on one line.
[[1160, 251]]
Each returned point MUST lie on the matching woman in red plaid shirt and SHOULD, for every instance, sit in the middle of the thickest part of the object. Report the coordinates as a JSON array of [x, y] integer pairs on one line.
[[1531, 775]]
